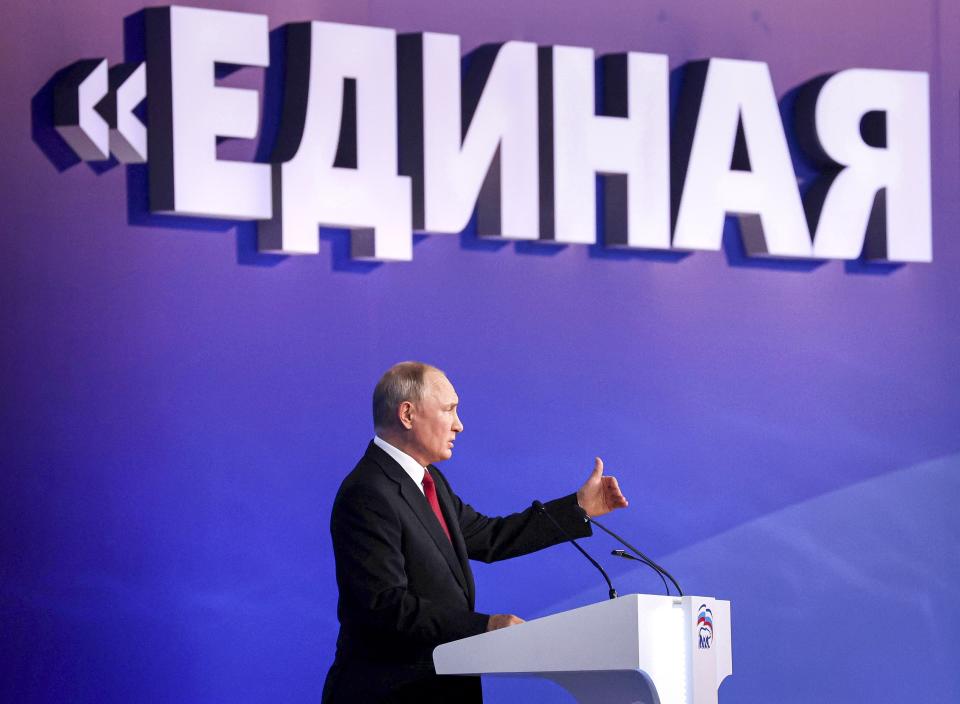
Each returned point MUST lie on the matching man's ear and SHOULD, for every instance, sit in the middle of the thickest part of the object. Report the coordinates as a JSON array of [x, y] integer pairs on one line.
[[405, 414]]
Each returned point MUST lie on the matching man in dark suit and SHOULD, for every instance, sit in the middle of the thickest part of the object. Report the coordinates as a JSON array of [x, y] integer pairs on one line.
[[402, 540]]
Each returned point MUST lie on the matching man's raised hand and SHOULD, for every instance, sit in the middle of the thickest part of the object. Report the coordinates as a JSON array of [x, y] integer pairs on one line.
[[600, 494]]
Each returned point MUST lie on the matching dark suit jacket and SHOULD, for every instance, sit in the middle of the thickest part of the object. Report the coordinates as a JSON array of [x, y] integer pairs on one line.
[[404, 588]]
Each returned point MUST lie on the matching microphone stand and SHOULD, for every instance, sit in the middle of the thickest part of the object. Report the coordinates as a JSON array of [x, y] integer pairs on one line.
[[542, 509], [643, 558]]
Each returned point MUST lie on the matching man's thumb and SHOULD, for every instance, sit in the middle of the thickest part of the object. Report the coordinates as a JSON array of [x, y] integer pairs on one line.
[[597, 467]]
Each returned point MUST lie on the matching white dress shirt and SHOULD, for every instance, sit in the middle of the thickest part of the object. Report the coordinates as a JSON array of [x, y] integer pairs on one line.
[[410, 465]]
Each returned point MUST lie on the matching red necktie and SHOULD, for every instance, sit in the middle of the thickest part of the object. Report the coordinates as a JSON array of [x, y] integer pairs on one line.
[[430, 491]]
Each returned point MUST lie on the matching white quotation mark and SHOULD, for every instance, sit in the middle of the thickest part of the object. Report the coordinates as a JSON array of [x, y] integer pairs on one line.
[[93, 110]]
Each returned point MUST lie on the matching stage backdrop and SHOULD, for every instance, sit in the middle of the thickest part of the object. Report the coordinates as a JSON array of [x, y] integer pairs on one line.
[[179, 409]]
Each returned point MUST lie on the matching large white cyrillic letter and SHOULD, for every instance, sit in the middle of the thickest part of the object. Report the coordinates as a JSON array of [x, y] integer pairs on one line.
[[739, 95], [873, 127], [187, 112], [630, 147], [335, 163], [493, 162]]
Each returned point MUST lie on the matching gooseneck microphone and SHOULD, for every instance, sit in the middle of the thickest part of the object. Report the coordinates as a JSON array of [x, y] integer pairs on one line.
[[640, 556], [543, 509], [627, 556]]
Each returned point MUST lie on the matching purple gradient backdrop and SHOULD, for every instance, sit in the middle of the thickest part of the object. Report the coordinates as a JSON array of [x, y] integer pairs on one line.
[[178, 410]]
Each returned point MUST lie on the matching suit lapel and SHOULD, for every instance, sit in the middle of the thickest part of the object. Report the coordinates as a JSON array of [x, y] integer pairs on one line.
[[418, 503]]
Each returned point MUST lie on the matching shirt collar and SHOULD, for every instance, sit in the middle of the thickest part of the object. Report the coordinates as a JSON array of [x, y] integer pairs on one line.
[[410, 465]]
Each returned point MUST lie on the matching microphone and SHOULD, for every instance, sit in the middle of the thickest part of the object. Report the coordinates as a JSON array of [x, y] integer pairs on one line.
[[640, 556], [627, 556], [543, 509]]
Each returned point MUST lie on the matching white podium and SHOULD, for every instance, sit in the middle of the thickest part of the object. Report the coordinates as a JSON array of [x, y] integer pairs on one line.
[[637, 649]]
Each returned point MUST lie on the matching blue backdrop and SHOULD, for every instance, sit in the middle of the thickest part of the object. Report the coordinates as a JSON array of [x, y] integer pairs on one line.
[[178, 410]]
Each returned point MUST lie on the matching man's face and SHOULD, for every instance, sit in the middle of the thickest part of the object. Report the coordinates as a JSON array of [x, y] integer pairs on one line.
[[434, 421]]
